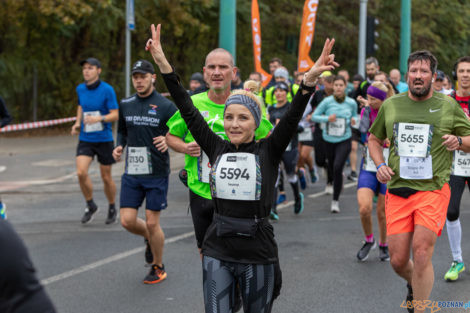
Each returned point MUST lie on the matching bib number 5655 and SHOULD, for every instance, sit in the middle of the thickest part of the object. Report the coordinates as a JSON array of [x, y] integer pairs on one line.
[[233, 173], [412, 138]]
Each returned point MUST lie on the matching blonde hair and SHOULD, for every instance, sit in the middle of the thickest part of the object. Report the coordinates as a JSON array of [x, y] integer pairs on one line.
[[249, 94], [253, 86], [386, 87]]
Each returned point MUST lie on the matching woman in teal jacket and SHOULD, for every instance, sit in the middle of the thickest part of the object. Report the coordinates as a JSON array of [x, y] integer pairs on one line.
[[336, 113]]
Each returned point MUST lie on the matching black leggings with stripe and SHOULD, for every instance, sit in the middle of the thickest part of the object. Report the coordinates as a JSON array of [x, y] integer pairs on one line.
[[256, 282]]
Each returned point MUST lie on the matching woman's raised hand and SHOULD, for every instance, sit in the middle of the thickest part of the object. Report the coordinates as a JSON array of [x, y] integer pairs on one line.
[[326, 62], [154, 46]]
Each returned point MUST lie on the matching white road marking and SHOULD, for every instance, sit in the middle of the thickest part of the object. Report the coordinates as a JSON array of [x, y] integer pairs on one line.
[[54, 163], [113, 258], [6, 186]]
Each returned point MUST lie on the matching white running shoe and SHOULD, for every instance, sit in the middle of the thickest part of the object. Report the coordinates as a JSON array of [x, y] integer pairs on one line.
[[329, 189], [334, 206]]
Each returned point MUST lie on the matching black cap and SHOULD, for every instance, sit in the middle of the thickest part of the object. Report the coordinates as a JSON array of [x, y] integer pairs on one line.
[[281, 85], [197, 76], [143, 66], [91, 61]]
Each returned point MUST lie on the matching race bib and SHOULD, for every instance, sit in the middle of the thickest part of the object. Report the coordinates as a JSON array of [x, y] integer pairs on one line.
[[236, 176], [413, 140], [461, 164], [203, 168], [138, 161], [336, 128], [95, 127], [369, 164], [306, 134], [416, 168]]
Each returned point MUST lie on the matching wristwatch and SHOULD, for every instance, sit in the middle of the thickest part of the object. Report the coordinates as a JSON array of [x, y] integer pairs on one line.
[[103, 118], [459, 140]]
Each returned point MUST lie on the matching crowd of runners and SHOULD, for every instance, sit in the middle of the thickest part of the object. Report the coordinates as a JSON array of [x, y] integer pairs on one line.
[[242, 141]]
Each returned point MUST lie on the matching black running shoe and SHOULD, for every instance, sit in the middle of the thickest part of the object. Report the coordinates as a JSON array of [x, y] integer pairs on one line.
[[352, 176], [148, 253], [299, 204], [88, 216], [383, 254], [112, 215], [409, 299], [156, 275], [363, 253]]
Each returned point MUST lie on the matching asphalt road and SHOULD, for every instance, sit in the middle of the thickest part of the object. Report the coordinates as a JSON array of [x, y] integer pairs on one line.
[[99, 268]]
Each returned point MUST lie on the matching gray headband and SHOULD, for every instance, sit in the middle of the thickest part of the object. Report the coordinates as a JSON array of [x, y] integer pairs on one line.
[[247, 102]]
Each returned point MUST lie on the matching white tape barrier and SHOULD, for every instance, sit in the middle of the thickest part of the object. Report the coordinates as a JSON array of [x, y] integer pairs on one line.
[[24, 126]]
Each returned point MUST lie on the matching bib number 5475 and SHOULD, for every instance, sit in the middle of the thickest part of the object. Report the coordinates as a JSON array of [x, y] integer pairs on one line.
[[233, 173]]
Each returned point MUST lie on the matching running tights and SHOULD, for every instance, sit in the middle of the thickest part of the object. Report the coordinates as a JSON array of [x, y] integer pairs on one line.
[[337, 154], [220, 278], [457, 187]]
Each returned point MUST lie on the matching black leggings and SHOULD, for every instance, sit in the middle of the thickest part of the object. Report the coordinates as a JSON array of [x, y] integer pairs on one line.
[[337, 154], [320, 152], [202, 211], [457, 187], [256, 282]]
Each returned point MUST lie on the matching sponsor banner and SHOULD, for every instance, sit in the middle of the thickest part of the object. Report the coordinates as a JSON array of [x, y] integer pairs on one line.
[[256, 31], [306, 35]]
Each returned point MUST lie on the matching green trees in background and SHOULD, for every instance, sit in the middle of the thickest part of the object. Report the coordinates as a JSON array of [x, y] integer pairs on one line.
[[52, 36]]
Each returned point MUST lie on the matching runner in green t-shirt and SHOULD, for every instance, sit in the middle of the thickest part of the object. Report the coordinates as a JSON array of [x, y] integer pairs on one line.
[[424, 128], [218, 71]]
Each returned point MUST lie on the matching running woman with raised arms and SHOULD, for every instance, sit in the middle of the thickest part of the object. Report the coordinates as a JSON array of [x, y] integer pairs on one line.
[[239, 245]]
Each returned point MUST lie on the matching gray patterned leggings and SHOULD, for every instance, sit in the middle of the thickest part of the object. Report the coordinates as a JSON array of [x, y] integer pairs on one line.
[[256, 283]]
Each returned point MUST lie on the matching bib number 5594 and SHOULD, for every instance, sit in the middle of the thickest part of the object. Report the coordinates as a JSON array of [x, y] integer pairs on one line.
[[233, 173]]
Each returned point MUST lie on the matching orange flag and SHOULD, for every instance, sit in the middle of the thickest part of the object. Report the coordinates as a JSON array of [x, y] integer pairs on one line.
[[306, 35], [256, 31]]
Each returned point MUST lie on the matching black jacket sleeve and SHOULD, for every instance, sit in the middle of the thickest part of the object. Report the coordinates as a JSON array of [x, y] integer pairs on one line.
[[5, 117], [288, 125], [122, 129], [198, 127]]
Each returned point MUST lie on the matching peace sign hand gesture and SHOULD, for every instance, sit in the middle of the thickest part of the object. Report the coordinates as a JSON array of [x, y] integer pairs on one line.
[[326, 62], [154, 46]]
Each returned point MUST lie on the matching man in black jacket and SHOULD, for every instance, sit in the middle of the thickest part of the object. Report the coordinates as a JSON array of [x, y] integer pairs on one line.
[[142, 129]]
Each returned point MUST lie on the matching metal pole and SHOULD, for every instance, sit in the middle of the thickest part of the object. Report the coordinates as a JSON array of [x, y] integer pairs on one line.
[[361, 54], [129, 27], [228, 26], [405, 36]]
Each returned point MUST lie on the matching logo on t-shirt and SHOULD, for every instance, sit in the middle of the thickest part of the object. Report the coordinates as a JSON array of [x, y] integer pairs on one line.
[[153, 109]]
